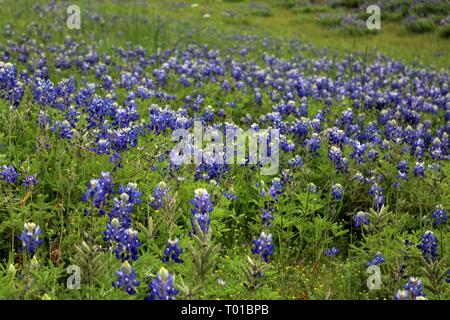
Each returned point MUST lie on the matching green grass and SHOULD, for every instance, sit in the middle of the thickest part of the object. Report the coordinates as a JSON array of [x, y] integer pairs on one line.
[[161, 24]]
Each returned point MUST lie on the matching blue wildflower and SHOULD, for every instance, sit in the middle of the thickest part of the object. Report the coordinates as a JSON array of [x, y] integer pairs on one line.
[[30, 181], [415, 288], [202, 202], [172, 252], [361, 218], [419, 169], [126, 279], [263, 246], [202, 207], [402, 295], [9, 174], [99, 190], [331, 252], [295, 162], [439, 215], [127, 247], [429, 246], [230, 196], [377, 191], [162, 287], [113, 230], [30, 237], [337, 191], [267, 216], [377, 259], [312, 188], [159, 194], [276, 189]]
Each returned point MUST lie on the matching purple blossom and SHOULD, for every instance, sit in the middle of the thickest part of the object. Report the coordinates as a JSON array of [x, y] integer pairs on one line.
[[361, 218], [429, 246], [126, 279], [30, 237], [439, 215], [263, 246], [377, 259], [172, 252], [162, 286], [331, 252], [9, 174]]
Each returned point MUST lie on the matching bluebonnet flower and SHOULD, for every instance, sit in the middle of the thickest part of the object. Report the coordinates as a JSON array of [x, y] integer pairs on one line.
[[162, 287], [419, 169], [30, 181], [11, 88], [337, 191], [361, 218], [230, 196], [429, 246], [43, 120], [113, 230], [30, 237], [336, 136], [331, 252], [103, 146], [377, 191], [359, 150], [276, 189], [439, 215], [295, 162], [448, 277], [372, 154], [312, 188], [9, 174], [267, 216], [127, 247], [403, 166], [129, 197], [358, 177], [263, 246], [159, 194], [64, 128], [335, 155], [403, 169], [401, 295], [286, 144], [99, 190], [286, 176], [126, 279], [203, 221], [43, 92], [172, 252], [202, 202], [377, 259], [436, 149], [313, 143], [116, 159], [202, 207], [414, 287]]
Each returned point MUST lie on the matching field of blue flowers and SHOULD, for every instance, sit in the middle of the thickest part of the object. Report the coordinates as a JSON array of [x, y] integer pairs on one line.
[[92, 205]]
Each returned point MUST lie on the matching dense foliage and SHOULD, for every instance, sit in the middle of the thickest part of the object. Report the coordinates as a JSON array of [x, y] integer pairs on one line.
[[87, 180]]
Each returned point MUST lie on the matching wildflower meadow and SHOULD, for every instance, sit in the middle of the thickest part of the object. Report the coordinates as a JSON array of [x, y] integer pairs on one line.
[[245, 150]]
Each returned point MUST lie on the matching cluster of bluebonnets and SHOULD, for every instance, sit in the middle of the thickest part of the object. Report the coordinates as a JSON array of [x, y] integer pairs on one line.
[[351, 113], [418, 16]]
